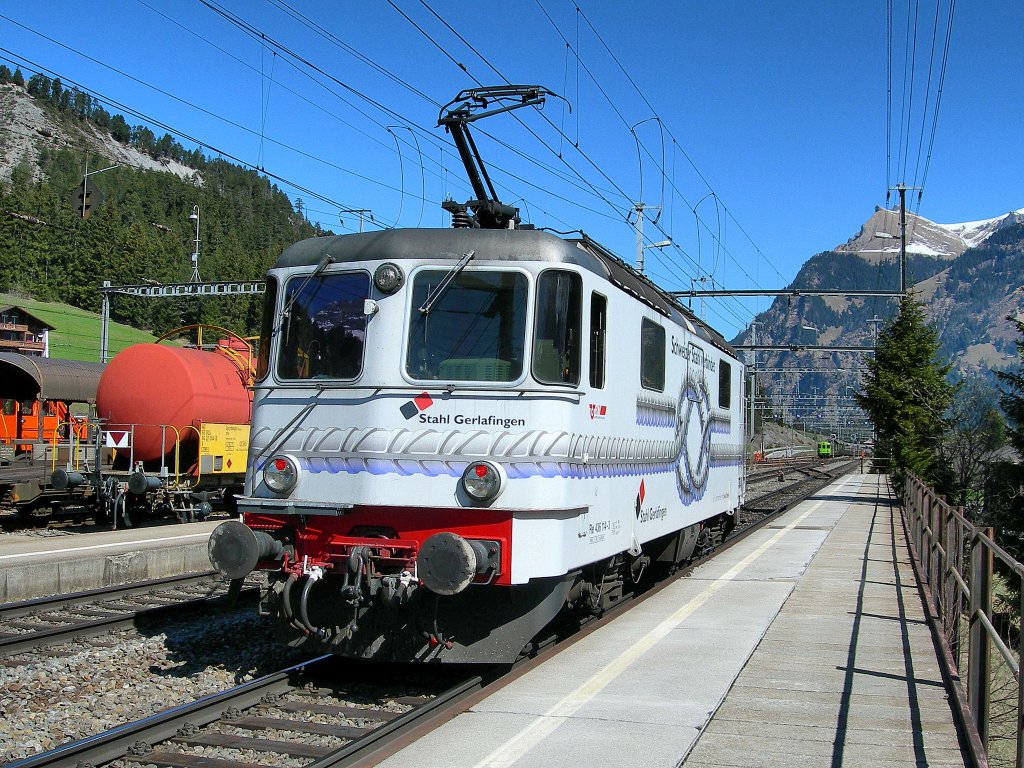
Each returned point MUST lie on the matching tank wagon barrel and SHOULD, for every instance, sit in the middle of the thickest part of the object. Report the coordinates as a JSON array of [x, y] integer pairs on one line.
[[152, 388], [178, 420]]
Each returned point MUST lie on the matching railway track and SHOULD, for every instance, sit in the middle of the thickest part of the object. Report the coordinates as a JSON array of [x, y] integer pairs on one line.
[[30, 625], [299, 717], [302, 717], [786, 493]]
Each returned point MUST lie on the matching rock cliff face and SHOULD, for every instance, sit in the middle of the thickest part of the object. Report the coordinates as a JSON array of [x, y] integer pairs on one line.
[[29, 131]]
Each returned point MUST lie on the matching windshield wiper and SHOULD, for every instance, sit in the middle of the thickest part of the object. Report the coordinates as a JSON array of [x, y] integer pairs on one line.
[[286, 313], [436, 294]]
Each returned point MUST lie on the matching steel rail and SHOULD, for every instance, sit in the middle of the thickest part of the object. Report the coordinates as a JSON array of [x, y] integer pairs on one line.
[[56, 602], [751, 504], [368, 749], [116, 743], [118, 619]]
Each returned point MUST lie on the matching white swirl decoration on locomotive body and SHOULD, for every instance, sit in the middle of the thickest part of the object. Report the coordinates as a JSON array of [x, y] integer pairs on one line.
[[462, 435]]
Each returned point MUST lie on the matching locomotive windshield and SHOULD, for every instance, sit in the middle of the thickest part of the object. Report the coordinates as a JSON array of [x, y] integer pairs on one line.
[[474, 331], [323, 334]]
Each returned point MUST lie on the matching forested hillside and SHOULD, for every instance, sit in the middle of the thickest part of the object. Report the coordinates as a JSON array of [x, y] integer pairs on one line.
[[976, 294], [141, 231], [967, 295]]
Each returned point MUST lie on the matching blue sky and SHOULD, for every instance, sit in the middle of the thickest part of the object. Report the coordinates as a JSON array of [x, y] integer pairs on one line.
[[773, 116]]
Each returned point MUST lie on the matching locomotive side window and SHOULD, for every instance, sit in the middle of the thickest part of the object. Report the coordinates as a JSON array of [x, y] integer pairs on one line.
[[652, 356], [323, 334], [9, 407], [556, 343], [598, 338], [724, 384], [472, 330], [266, 329]]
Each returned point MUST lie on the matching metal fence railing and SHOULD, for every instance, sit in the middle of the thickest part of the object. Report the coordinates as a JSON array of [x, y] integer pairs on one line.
[[974, 591]]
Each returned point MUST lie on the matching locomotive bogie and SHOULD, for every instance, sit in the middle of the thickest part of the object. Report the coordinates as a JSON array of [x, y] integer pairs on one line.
[[450, 421]]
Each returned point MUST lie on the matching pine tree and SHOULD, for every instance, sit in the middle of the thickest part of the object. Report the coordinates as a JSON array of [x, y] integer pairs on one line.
[[1004, 491], [1013, 395], [906, 394], [39, 86], [119, 129], [972, 441]]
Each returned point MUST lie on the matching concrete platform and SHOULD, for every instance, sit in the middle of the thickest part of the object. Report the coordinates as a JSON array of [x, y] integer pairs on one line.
[[34, 566], [803, 645]]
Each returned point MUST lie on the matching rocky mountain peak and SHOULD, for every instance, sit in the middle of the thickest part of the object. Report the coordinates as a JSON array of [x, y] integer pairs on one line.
[[878, 238]]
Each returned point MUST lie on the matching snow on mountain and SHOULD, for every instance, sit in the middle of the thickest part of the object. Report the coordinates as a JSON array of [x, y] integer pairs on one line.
[[974, 233], [879, 239]]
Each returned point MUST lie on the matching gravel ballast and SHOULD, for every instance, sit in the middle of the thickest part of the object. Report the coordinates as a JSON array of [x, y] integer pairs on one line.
[[91, 687]]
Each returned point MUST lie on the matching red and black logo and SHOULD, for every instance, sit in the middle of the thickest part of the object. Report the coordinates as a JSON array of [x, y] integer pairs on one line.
[[640, 498], [418, 404]]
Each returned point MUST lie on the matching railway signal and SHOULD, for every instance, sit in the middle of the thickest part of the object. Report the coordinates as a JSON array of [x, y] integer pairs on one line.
[[85, 198]]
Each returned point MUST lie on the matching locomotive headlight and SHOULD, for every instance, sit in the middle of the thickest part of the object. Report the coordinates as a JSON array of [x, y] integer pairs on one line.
[[388, 278], [281, 473], [481, 481]]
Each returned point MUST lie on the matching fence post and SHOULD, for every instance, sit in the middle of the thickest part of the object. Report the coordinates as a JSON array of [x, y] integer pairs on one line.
[[953, 600], [919, 517], [935, 574], [1020, 696], [941, 562], [979, 655], [929, 533]]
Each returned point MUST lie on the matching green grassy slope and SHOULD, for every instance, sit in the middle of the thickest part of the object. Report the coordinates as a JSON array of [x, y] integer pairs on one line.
[[77, 334]]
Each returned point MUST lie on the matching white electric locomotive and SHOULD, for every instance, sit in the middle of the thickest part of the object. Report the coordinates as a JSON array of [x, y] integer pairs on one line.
[[460, 436]]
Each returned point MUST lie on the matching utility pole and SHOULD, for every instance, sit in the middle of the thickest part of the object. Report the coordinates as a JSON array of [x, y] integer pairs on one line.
[[902, 189], [194, 217], [361, 211], [639, 226]]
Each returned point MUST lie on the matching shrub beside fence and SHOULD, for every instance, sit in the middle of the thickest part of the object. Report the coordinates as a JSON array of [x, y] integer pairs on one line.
[[973, 590]]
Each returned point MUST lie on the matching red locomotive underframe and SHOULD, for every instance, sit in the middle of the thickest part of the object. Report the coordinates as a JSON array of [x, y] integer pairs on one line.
[[396, 534]]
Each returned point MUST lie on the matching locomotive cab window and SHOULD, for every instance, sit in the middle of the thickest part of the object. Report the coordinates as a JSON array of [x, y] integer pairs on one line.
[[724, 384], [556, 338], [473, 328], [266, 329], [324, 329], [652, 356]]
